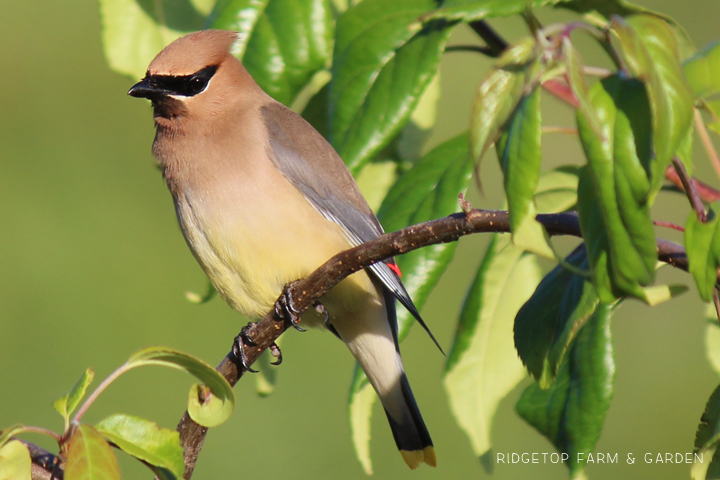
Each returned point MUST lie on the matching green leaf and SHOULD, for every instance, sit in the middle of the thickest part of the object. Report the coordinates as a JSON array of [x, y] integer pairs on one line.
[[557, 189], [362, 399], [471, 10], [197, 299], [146, 441], [650, 50], [427, 191], [89, 457], [383, 61], [702, 70], [499, 95], [134, 31], [577, 83], [548, 323], [606, 8], [614, 190], [520, 159], [284, 42], [702, 243], [483, 367], [712, 337], [7, 433], [708, 432], [208, 408], [571, 413], [67, 404], [15, 463]]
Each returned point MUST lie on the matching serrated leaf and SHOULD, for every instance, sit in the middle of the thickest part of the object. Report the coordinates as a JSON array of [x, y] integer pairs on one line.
[[548, 323], [146, 441], [208, 408], [483, 367], [702, 70], [283, 42], [702, 243], [650, 50], [67, 404], [520, 159], [614, 190], [382, 62], [427, 191], [134, 31], [499, 95], [15, 463], [90, 457], [571, 413]]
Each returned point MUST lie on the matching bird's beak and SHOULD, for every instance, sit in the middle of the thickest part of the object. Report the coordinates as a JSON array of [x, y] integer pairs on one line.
[[143, 89]]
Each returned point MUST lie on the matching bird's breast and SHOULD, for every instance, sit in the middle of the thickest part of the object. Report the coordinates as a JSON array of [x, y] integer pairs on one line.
[[255, 233]]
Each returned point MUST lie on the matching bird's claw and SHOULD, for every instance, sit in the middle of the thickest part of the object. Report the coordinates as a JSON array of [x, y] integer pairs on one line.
[[275, 352], [241, 341], [285, 308], [320, 308]]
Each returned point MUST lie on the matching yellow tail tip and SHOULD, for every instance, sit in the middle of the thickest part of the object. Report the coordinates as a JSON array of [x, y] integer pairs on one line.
[[414, 458]]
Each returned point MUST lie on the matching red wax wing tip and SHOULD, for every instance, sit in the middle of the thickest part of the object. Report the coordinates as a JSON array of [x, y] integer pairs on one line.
[[395, 269]]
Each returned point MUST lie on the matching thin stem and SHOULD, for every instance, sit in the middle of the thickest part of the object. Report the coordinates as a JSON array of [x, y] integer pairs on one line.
[[470, 48], [707, 142], [707, 193], [690, 189], [716, 300], [43, 431], [101, 388], [659, 223], [556, 129], [596, 71]]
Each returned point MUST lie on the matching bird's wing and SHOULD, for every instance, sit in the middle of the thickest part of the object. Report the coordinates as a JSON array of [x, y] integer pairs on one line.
[[308, 161]]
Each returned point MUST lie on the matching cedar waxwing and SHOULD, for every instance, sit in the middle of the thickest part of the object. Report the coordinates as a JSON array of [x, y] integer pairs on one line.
[[263, 200]]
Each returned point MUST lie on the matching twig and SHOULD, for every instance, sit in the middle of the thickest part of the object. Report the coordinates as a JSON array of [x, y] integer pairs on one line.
[[485, 50], [707, 193], [716, 301], [690, 189], [306, 291], [496, 44], [707, 142], [659, 223]]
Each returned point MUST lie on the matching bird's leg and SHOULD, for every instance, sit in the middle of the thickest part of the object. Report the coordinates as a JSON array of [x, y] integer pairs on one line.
[[241, 341], [285, 308], [320, 308]]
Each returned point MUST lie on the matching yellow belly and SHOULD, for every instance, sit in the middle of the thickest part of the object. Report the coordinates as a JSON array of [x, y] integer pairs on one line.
[[254, 243]]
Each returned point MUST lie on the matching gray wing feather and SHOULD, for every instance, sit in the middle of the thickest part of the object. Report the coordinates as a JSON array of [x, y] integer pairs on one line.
[[305, 158]]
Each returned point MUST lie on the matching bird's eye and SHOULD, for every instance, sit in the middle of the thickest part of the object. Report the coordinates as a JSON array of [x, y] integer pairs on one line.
[[198, 84]]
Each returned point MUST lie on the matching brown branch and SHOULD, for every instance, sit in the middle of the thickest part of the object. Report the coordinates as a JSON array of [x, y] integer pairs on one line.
[[308, 290], [706, 192], [690, 188], [495, 43]]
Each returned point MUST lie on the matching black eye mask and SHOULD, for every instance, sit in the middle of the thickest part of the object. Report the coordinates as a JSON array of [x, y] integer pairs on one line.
[[186, 85]]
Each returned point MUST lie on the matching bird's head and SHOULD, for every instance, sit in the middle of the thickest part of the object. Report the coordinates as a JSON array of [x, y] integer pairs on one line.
[[196, 75]]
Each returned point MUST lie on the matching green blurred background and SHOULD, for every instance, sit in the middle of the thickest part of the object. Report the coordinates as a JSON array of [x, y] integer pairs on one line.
[[93, 268]]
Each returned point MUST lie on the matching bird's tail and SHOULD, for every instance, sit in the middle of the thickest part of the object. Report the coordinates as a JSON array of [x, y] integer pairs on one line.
[[409, 430]]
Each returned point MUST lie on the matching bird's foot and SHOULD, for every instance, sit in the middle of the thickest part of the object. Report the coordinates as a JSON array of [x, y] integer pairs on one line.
[[320, 308], [241, 341], [285, 308], [275, 352]]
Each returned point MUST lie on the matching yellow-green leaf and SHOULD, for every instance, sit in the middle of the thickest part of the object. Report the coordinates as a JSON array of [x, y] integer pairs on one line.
[[15, 461], [90, 457], [67, 404]]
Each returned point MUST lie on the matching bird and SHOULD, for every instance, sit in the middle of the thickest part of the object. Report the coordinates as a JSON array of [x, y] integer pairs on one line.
[[263, 200]]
